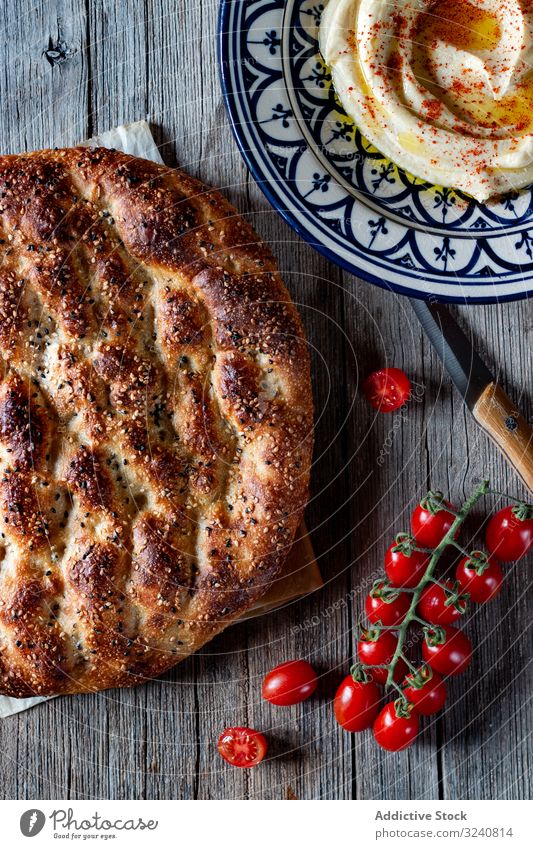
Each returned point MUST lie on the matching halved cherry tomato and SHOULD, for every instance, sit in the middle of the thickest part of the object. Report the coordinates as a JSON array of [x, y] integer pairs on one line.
[[440, 606], [405, 567], [378, 648], [385, 605], [426, 690], [450, 657], [480, 576], [509, 533], [395, 730], [429, 524], [387, 389], [242, 747], [356, 704], [290, 683]]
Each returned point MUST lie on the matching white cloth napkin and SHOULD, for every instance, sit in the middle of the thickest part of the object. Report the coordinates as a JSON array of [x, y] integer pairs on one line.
[[138, 140]]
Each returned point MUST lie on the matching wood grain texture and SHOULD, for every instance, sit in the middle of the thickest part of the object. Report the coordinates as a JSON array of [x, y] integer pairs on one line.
[[498, 416], [157, 59]]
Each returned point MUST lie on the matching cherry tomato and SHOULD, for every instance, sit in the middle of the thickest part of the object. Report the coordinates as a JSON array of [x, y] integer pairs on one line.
[[426, 690], [395, 732], [387, 389], [290, 683], [385, 605], [242, 747], [356, 704], [374, 649], [405, 567], [452, 656], [509, 534], [429, 528], [433, 605], [480, 576]]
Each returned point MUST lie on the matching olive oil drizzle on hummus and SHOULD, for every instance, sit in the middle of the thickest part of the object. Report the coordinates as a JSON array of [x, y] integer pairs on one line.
[[442, 87]]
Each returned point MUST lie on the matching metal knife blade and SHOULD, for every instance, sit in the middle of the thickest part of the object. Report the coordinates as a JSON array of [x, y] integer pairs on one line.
[[486, 400], [464, 365]]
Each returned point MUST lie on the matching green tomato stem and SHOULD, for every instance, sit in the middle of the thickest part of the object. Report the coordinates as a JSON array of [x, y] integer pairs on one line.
[[408, 662], [460, 548], [410, 616], [399, 690], [422, 622], [505, 495], [440, 584]]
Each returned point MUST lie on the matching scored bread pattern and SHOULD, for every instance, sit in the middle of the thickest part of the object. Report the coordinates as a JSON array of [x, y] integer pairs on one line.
[[155, 419]]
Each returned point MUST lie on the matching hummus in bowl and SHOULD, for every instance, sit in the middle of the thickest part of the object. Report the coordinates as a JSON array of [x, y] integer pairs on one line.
[[444, 88]]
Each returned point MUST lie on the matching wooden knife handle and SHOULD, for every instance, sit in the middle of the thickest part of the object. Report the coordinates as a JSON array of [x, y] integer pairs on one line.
[[498, 416]]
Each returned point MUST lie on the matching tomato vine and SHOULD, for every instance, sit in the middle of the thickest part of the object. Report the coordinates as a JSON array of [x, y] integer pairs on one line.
[[433, 606]]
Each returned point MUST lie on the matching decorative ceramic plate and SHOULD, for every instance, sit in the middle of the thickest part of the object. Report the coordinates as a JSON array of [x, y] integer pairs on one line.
[[337, 191]]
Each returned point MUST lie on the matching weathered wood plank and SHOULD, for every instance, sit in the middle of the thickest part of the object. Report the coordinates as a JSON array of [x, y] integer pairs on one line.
[[44, 103], [310, 753], [386, 476], [182, 103], [43, 75], [158, 741], [486, 753], [119, 49], [152, 731]]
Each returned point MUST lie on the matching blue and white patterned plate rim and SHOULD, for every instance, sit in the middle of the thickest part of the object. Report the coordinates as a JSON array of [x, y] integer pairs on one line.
[[509, 281]]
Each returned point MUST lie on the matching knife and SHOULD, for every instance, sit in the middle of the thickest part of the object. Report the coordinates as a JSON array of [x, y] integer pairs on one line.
[[491, 407]]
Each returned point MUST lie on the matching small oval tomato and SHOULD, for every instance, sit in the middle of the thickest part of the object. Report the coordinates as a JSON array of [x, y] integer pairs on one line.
[[429, 524], [290, 683], [452, 656], [387, 389], [374, 649], [404, 566], [480, 576], [509, 534], [242, 747], [426, 690], [356, 704], [395, 731], [385, 605], [440, 606]]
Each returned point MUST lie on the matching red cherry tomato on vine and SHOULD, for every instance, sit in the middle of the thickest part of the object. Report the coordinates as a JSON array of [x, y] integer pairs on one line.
[[430, 696], [394, 732], [386, 606], [433, 608], [509, 534], [380, 651], [387, 389], [429, 528], [405, 567], [290, 683], [242, 747], [452, 656], [356, 704], [481, 577]]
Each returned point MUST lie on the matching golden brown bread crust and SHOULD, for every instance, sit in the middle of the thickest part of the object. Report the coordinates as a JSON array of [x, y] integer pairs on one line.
[[155, 419]]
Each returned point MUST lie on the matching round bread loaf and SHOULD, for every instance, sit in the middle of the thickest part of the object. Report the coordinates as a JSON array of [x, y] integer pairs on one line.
[[155, 419]]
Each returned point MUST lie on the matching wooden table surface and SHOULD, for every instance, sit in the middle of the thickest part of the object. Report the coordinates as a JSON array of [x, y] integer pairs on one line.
[[71, 68]]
